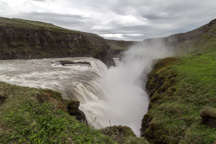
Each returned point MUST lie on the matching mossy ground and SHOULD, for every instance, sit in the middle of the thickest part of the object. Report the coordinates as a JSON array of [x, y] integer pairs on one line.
[[29, 115], [188, 87], [123, 135]]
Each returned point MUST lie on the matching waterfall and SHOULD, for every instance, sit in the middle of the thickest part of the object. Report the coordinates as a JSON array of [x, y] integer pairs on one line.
[[80, 79], [112, 96], [125, 84]]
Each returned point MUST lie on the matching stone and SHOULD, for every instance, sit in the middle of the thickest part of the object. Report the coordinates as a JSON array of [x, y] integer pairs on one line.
[[73, 110]]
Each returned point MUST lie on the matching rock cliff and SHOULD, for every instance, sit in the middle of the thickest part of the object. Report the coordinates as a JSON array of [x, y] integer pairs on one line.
[[23, 39]]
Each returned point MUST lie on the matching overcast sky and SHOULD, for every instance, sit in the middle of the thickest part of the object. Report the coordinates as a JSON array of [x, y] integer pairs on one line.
[[116, 19]]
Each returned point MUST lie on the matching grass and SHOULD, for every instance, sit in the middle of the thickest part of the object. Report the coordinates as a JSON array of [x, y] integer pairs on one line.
[[123, 135], [36, 25], [24, 118], [29, 115], [176, 104]]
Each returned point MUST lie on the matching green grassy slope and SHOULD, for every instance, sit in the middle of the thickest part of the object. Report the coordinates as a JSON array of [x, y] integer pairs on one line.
[[29, 115], [181, 88]]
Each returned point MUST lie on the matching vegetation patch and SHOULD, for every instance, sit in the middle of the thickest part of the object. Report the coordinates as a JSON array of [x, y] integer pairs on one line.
[[180, 91], [38, 116], [123, 135]]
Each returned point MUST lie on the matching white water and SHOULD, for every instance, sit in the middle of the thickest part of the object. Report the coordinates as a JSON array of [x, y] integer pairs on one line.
[[125, 84], [107, 97]]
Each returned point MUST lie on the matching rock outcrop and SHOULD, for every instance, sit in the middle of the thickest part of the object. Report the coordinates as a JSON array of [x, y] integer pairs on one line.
[[73, 110]]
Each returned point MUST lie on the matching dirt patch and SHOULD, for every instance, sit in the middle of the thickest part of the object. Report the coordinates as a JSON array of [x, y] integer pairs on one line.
[[52, 97]]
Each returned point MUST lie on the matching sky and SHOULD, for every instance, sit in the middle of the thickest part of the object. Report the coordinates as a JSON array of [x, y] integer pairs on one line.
[[116, 19]]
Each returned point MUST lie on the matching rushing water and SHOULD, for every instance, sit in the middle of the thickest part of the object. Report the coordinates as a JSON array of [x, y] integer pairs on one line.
[[112, 96], [81, 82]]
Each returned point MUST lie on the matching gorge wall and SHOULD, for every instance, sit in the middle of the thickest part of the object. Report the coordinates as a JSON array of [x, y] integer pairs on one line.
[[22, 39]]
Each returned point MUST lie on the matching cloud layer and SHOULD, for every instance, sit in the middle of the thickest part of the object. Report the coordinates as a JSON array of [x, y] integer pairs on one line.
[[116, 19]]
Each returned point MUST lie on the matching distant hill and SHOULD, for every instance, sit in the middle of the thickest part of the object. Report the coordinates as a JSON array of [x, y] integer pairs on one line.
[[24, 39], [202, 39], [120, 44], [117, 46]]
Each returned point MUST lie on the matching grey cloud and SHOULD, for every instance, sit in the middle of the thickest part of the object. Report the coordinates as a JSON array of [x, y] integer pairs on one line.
[[133, 37], [42, 0], [75, 22], [3, 5], [39, 0], [162, 17], [152, 16]]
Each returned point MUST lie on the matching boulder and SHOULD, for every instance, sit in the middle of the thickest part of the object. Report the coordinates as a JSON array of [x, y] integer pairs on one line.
[[73, 110]]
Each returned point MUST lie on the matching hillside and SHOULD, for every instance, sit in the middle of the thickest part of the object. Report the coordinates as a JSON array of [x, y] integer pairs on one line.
[[117, 46], [200, 40], [120, 44], [30, 115], [23, 39], [182, 109]]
